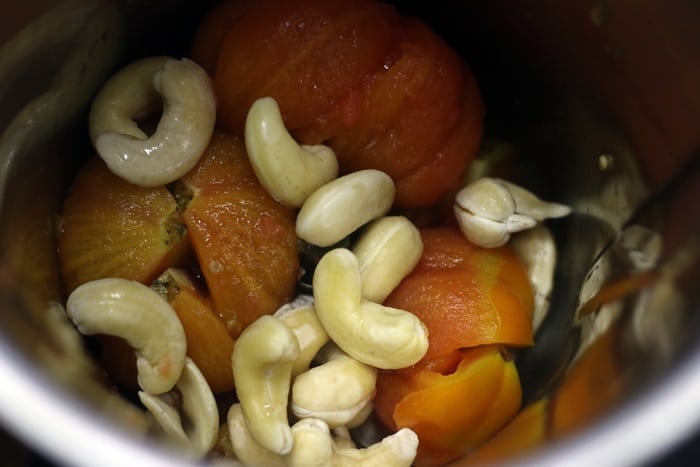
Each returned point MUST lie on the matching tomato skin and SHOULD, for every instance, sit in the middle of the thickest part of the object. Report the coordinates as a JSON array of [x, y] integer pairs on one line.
[[451, 412]]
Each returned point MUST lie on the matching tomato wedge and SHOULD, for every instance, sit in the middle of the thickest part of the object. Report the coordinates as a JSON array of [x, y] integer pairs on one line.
[[452, 412]]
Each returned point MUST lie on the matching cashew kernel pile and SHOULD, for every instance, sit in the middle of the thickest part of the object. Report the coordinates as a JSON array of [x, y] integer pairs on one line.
[[305, 375]]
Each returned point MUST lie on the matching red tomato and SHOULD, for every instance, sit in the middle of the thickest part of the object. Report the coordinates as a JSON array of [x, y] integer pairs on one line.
[[466, 295], [382, 91]]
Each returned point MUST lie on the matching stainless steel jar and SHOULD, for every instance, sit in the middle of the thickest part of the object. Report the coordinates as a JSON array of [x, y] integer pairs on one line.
[[600, 98]]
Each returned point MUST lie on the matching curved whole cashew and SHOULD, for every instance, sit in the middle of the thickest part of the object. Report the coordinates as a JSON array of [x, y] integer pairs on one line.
[[308, 330], [136, 313], [380, 336], [198, 404], [387, 250], [314, 446], [335, 391], [342, 206], [183, 132], [489, 210], [288, 171], [262, 365], [246, 449]]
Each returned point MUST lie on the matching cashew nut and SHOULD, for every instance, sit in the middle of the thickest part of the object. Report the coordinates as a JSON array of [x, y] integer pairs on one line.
[[288, 171], [246, 449], [489, 210], [388, 249], [374, 334], [342, 206], [396, 450], [136, 313], [335, 391], [538, 253], [314, 446], [342, 437], [262, 365], [183, 132], [308, 330], [198, 404]]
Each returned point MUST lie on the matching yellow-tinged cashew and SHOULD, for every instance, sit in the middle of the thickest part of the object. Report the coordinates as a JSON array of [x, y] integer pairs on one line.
[[387, 250], [308, 330], [335, 391], [396, 450], [246, 449], [262, 363], [183, 132], [374, 334], [342, 438], [489, 210], [198, 404], [314, 446], [136, 313], [342, 206], [288, 171]]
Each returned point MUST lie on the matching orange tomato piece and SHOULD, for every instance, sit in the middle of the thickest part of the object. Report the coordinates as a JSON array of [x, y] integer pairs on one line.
[[209, 343], [304, 54], [383, 92], [466, 295], [454, 412], [384, 123], [111, 228], [244, 240]]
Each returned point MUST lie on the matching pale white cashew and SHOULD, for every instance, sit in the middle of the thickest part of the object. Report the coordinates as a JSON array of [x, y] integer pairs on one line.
[[335, 391], [262, 363], [314, 446], [288, 171], [246, 449], [136, 313], [183, 132], [198, 404], [342, 206], [489, 210], [387, 250], [380, 336], [307, 328], [538, 253]]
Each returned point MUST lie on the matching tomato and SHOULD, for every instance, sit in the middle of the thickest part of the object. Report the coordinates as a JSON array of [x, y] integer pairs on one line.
[[473, 301], [466, 295], [455, 411], [244, 240], [384, 92], [305, 54]]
